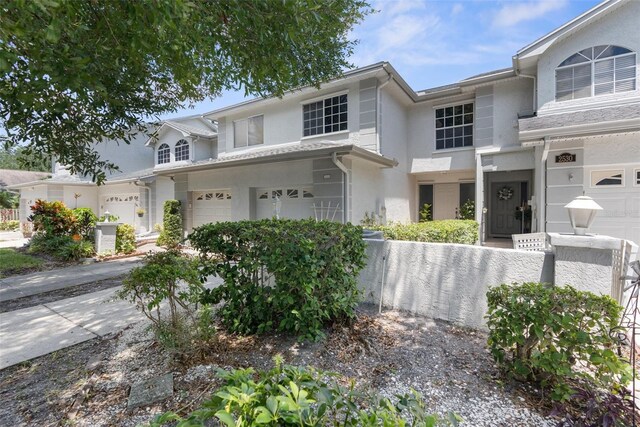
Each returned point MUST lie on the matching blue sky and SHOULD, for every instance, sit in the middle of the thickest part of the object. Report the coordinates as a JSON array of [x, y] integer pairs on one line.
[[432, 43]]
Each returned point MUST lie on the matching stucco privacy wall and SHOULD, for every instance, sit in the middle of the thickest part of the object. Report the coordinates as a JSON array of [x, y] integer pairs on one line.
[[446, 281]]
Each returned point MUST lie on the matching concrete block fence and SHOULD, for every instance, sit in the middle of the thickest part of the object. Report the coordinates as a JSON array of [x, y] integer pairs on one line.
[[450, 281]]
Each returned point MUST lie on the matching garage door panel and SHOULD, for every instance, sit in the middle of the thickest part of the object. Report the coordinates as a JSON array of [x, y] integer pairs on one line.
[[295, 202], [211, 206]]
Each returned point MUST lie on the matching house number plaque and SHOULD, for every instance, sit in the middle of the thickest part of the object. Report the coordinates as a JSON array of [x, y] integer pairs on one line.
[[565, 158]]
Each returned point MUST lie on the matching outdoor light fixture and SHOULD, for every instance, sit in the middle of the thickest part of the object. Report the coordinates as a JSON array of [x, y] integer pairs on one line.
[[582, 212]]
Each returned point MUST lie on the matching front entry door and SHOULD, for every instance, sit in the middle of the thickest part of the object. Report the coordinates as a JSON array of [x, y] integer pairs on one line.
[[505, 197]]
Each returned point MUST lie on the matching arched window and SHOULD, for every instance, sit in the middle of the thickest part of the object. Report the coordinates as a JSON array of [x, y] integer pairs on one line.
[[596, 71], [182, 150], [164, 154]]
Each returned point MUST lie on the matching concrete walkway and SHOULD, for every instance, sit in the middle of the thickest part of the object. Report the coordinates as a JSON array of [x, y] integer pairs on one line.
[[35, 331], [44, 281]]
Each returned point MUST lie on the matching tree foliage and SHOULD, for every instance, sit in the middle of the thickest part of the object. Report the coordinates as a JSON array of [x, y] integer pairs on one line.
[[74, 73]]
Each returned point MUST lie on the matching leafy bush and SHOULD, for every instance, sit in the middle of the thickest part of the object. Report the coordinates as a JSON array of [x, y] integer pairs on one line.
[[171, 235], [75, 250], [554, 335], [467, 210], [292, 276], [293, 396], [125, 239], [425, 213], [85, 223], [444, 231], [52, 218], [9, 225], [158, 280], [51, 245]]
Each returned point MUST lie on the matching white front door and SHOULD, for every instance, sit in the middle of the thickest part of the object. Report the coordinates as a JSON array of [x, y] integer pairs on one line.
[[121, 205], [211, 206]]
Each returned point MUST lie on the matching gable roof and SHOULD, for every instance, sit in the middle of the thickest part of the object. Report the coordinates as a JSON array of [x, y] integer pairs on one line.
[[183, 128], [529, 53], [10, 177]]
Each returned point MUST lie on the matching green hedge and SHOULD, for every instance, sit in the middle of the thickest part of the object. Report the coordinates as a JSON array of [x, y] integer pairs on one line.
[[444, 231], [171, 235], [285, 275], [9, 225]]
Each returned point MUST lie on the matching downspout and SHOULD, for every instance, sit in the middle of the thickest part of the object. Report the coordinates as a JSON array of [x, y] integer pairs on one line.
[[345, 171], [144, 187], [542, 209], [379, 109]]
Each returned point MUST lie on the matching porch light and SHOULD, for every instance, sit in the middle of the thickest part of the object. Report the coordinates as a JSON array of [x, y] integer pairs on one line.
[[582, 212]]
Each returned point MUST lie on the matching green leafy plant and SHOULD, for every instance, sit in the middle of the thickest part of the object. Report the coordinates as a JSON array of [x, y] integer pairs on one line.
[[370, 220], [125, 239], [52, 218], [293, 396], [85, 223], [467, 210], [9, 225], [284, 275], [553, 335], [166, 290], [75, 250], [425, 213], [171, 235], [442, 231]]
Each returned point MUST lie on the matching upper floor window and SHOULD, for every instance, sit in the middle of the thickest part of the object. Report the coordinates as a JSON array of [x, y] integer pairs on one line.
[[596, 71], [325, 116], [182, 150], [164, 154], [454, 126], [248, 131]]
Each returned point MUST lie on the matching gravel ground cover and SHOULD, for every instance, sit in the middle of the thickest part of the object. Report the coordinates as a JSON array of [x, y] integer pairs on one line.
[[88, 384]]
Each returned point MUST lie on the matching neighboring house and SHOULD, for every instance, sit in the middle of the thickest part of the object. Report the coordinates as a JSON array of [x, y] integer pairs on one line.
[[563, 120], [11, 177]]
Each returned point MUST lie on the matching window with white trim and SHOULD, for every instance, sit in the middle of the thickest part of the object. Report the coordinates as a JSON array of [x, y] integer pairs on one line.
[[164, 154], [454, 126], [248, 132], [325, 116], [607, 178], [595, 71], [182, 150], [636, 174]]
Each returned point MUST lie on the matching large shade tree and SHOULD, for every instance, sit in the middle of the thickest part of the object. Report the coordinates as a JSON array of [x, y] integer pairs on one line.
[[77, 72]]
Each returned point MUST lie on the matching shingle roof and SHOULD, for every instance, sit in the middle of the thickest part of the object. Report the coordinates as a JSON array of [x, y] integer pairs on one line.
[[12, 177], [600, 115], [281, 152], [191, 130]]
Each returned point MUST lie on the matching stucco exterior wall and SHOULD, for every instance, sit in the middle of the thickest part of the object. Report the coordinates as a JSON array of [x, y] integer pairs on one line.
[[446, 281], [283, 120], [619, 28], [129, 157], [88, 197], [510, 99]]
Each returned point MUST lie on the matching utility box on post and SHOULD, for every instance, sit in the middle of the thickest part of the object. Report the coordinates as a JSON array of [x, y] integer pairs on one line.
[[106, 237]]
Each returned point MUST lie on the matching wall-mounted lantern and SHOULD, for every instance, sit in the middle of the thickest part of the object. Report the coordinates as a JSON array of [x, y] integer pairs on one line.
[[582, 211]]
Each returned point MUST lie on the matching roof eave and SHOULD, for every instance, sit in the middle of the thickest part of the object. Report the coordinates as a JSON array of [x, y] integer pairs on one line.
[[597, 128]]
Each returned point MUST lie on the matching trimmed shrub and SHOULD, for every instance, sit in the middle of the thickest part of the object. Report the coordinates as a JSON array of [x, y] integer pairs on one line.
[[554, 336], [85, 223], [284, 275], [9, 225], [125, 239], [41, 243], [443, 231], [176, 323], [171, 235], [293, 396], [52, 218]]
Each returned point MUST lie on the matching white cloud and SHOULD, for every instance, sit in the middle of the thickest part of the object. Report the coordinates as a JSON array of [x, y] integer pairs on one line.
[[456, 9], [514, 13]]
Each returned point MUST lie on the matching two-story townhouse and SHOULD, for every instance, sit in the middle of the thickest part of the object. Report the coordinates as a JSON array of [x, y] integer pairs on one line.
[[563, 120]]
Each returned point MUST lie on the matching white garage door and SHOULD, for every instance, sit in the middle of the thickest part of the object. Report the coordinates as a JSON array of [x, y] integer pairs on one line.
[[295, 202], [211, 206], [122, 205]]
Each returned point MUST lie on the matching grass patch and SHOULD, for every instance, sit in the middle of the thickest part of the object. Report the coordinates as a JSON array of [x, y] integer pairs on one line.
[[12, 261]]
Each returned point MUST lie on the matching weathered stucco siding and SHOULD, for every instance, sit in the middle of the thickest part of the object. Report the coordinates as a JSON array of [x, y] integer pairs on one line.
[[446, 281]]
